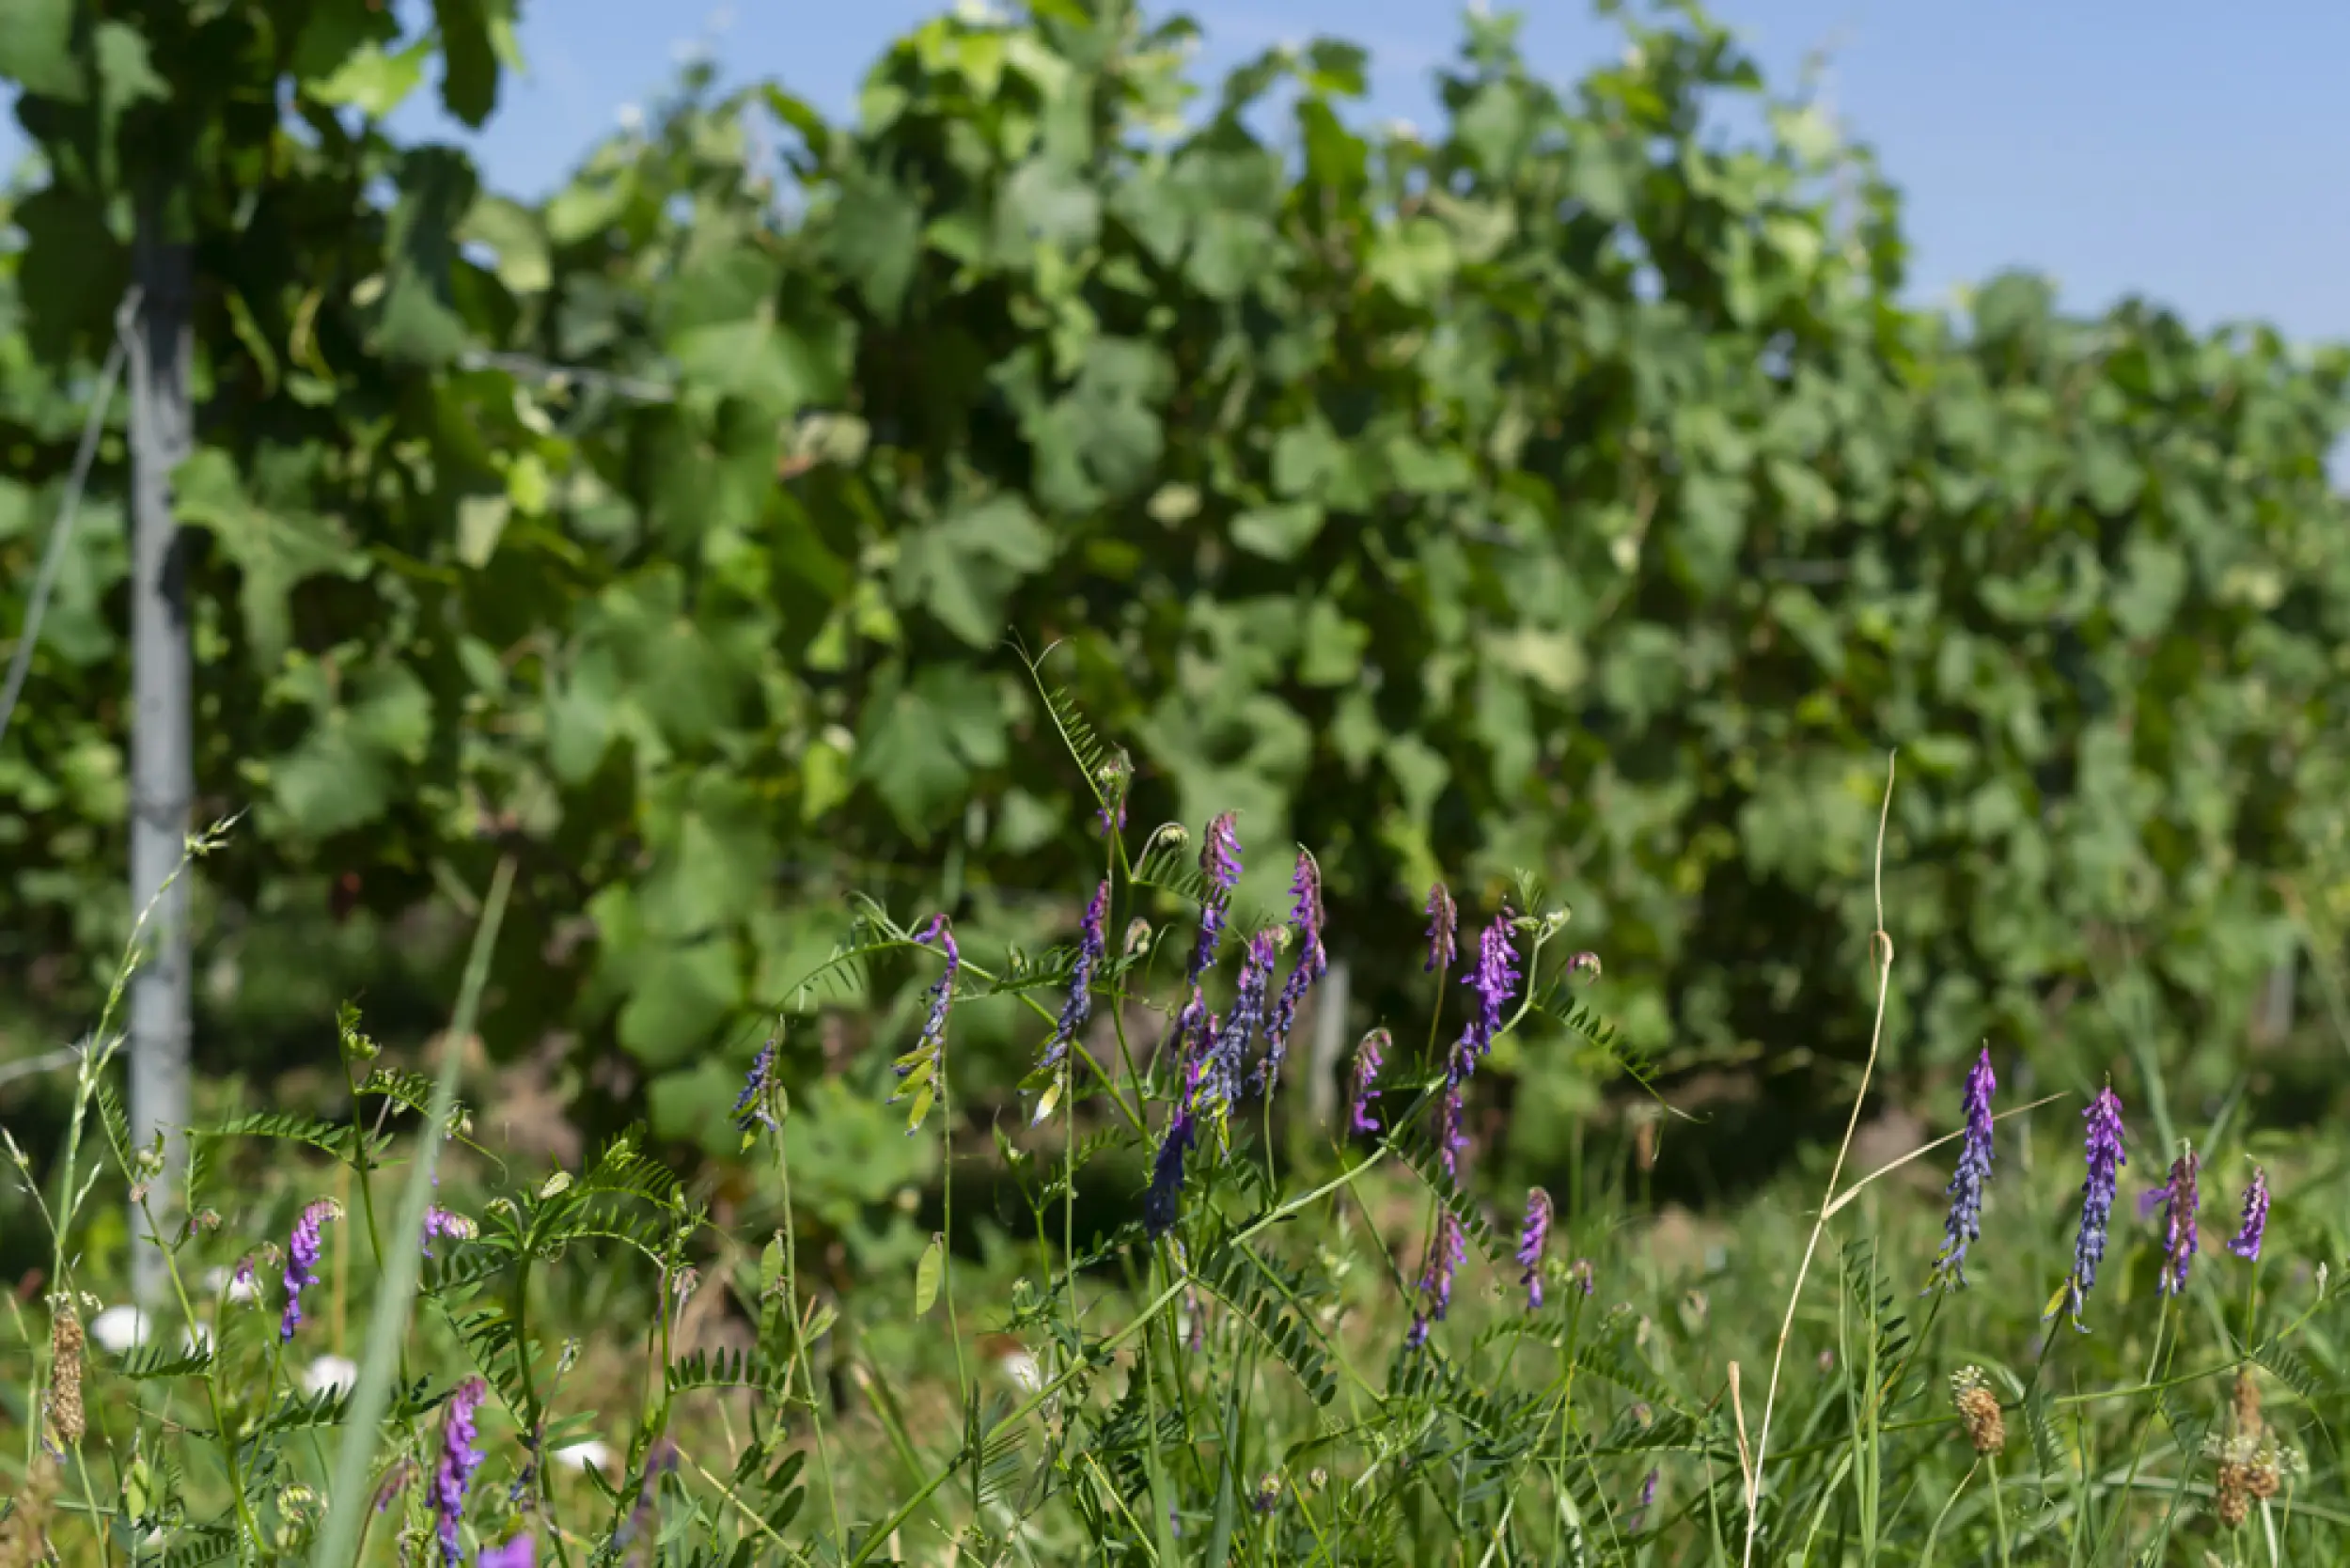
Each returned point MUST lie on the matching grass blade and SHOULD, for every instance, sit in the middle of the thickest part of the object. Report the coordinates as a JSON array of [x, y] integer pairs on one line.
[[347, 1502]]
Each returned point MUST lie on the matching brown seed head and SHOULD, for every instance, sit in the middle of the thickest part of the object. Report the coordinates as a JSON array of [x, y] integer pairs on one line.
[[2246, 1404], [65, 1374], [2235, 1493], [1978, 1411]]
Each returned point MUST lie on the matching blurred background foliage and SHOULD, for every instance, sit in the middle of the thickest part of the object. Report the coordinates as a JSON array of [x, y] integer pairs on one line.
[[1566, 487]]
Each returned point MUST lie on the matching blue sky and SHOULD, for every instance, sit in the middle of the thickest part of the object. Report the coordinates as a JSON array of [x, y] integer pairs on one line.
[[2186, 153]]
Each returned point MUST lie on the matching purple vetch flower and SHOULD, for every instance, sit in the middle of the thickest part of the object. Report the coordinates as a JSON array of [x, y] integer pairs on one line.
[[1493, 979], [2247, 1243], [1369, 1055], [1495, 982], [395, 1482], [443, 1222], [943, 992], [1451, 1136], [2180, 1201], [302, 1260], [750, 1107], [1443, 922], [1078, 1005], [929, 1048], [1313, 962], [1220, 1069], [1648, 1499], [1219, 862], [1965, 1222], [461, 1456], [2149, 1201], [520, 1552], [1161, 1202], [2105, 1157], [1532, 1239], [1448, 1249]]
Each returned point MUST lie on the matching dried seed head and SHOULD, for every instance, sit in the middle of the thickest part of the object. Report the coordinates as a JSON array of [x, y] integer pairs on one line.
[[23, 1535], [1979, 1410], [2250, 1462], [2234, 1500], [65, 1374], [2246, 1404]]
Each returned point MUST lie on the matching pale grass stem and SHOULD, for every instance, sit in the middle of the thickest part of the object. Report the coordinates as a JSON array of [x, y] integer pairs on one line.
[[1881, 947]]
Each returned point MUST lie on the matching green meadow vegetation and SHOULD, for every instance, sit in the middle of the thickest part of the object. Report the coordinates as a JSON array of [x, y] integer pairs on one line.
[[1095, 820]]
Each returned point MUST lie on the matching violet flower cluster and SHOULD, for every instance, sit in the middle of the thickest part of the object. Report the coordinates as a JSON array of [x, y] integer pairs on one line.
[[461, 1456], [520, 1552], [1313, 962], [1220, 865], [750, 1107], [943, 992], [1965, 1221], [930, 1046], [1444, 922], [1219, 1077], [1078, 1005], [302, 1260], [1159, 1202], [2246, 1242], [441, 1222], [1448, 1249], [2180, 1201], [1532, 1237], [1369, 1055], [2105, 1157], [1495, 980]]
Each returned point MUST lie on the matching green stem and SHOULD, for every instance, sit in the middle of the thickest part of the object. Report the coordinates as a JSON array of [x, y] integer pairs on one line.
[[799, 1342], [1999, 1508]]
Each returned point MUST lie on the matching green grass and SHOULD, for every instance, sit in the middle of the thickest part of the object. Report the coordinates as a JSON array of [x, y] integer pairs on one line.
[[1771, 1382]]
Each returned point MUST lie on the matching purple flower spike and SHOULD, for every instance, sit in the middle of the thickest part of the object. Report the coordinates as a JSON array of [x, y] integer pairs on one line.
[[301, 1260], [461, 1456], [441, 1222], [1448, 1249], [1078, 1007], [2247, 1243], [1451, 1136], [1313, 962], [2178, 1222], [929, 1048], [1965, 1222], [520, 1552], [1369, 1055], [1219, 862], [1493, 979], [2104, 1158], [750, 1107], [1161, 1204], [1495, 982], [1443, 922], [942, 994], [1220, 1074], [1532, 1239]]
